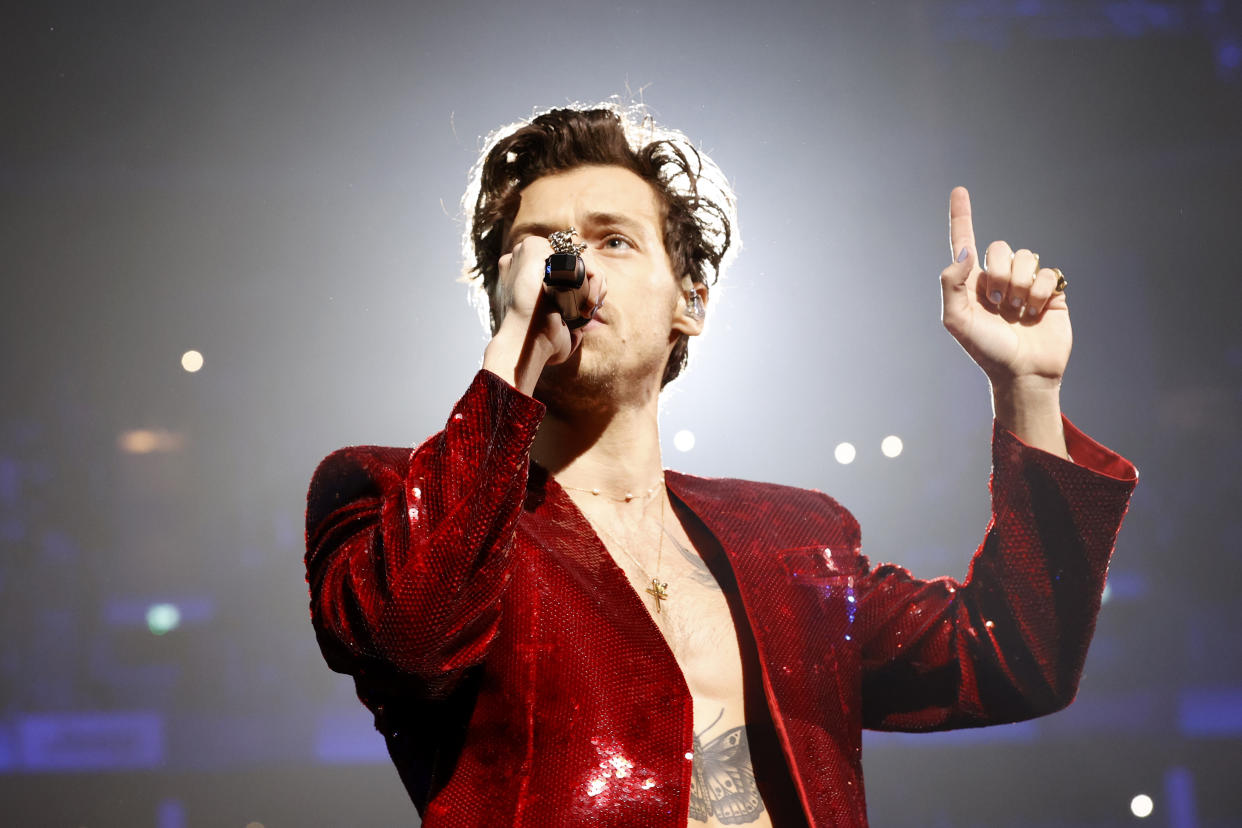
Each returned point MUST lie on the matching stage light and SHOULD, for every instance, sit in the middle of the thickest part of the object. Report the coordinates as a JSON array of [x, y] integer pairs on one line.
[[684, 440], [1229, 55], [891, 445], [1141, 806], [845, 453], [192, 361], [137, 441], [148, 440], [163, 618]]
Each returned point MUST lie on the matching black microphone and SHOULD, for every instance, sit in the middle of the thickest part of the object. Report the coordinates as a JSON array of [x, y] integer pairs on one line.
[[565, 278]]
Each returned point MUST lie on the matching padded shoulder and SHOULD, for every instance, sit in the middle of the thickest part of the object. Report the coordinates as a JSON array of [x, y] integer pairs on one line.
[[777, 515], [353, 473]]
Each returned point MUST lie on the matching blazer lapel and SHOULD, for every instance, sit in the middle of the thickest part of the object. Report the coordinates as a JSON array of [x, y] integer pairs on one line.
[[795, 557]]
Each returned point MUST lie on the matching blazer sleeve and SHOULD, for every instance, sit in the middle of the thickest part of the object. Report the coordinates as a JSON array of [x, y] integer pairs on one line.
[[1009, 643], [408, 550]]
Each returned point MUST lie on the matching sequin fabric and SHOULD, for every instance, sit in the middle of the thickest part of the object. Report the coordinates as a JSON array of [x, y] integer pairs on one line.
[[518, 679]]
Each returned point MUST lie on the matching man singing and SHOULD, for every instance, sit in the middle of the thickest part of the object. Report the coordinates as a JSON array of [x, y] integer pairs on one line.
[[553, 630]]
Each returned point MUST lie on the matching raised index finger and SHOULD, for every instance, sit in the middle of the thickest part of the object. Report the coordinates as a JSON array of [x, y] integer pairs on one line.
[[961, 227]]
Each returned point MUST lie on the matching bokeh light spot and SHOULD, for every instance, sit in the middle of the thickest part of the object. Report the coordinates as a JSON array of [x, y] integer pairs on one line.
[[192, 361], [1141, 806], [845, 453], [891, 445], [683, 440], [1230, 55], [163, 618], [149, 440]]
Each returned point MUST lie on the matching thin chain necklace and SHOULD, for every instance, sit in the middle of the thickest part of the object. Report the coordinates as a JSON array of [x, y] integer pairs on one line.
[[658, 589], [628, 495]]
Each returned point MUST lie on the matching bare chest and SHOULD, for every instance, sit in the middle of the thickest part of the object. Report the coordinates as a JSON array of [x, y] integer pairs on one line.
[[686, 603], [695, 605], [692, 611]]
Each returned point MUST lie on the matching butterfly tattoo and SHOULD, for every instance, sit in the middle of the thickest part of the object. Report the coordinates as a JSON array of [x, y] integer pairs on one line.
[[722, 782]]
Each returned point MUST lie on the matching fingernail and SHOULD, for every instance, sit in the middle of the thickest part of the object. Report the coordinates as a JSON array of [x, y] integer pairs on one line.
[[996, 297], [1032, 311], [961, 257], [1016, 301]]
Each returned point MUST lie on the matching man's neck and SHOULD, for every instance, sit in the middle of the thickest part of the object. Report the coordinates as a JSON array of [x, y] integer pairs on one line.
[[615, 451]]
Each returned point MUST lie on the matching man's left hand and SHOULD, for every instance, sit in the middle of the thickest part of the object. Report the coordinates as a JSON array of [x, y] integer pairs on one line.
[[1006, 316]]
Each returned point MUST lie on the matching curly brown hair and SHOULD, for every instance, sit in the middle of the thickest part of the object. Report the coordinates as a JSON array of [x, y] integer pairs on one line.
[[698, 206]]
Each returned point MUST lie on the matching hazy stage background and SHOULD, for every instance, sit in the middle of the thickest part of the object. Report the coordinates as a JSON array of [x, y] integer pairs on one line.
[[276, 186]]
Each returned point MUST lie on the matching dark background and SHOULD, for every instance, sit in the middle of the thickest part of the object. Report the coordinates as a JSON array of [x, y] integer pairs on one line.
[[277, 185]]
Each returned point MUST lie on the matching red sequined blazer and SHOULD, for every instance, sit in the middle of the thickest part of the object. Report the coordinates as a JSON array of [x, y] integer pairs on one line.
[[519, 680]]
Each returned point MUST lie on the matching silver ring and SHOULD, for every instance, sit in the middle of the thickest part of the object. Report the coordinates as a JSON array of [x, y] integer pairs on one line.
[[562, 241]]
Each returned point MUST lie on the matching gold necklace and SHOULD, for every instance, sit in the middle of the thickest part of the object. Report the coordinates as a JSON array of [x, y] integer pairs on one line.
[[628, 495], [658, 588]]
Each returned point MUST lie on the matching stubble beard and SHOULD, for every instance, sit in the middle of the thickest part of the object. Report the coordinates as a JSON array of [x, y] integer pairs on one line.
[[595, 383]]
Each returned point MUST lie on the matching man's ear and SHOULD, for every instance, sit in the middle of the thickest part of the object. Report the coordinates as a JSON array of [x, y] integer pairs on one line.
[[690, 315]]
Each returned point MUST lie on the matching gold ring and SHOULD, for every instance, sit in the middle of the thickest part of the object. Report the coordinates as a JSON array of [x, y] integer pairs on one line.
[[1062, 282]]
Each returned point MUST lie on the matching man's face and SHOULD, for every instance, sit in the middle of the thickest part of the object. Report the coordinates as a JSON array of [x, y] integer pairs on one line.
[[617, 215]]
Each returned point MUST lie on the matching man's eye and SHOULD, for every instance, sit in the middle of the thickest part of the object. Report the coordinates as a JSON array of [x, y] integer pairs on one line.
[[617, 243]]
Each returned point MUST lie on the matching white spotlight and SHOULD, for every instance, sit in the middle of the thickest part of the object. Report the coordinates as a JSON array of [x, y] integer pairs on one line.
[[683, 440], [192, 361], [1141, 806], [844, 452], [891, 445]]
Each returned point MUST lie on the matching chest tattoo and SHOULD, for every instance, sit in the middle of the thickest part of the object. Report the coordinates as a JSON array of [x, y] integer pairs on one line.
[[699, 573], [722, 782]]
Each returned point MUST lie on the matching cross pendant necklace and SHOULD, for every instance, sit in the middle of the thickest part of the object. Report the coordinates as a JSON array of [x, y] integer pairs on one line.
[[659, 591], [658, 588]]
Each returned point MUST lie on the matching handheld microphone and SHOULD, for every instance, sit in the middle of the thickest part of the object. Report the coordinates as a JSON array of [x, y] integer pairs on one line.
[[565, 278]]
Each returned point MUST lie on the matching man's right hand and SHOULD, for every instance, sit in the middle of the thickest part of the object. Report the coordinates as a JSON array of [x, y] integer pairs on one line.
[[532, 333]]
